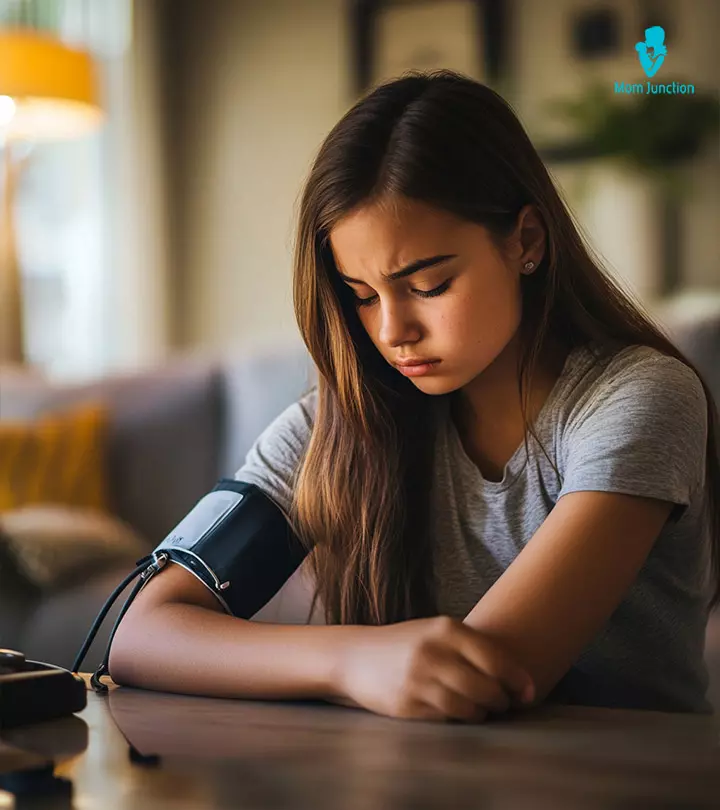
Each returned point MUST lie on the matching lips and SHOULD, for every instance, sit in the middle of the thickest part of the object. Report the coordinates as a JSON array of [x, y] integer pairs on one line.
[[415, 362], [418, 369]]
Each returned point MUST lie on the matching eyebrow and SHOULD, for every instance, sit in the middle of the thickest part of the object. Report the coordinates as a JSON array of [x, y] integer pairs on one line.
[[408, 270]]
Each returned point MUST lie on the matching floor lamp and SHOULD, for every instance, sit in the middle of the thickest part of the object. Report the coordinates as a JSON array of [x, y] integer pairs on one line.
[[48, 91]]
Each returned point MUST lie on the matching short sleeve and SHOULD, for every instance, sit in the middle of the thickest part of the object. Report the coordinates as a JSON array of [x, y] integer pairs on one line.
[[643, 431], [274, 458]]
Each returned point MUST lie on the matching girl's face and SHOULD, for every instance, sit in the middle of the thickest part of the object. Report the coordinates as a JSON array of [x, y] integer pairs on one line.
[[461, 307]]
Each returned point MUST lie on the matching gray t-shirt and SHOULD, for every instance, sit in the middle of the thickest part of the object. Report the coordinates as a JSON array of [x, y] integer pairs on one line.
[[633, 423]]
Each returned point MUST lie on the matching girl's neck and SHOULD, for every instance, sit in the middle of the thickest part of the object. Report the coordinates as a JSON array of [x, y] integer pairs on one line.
[[488, 407]]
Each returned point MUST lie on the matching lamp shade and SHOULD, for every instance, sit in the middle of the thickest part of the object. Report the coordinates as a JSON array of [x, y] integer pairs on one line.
[[47, 89]]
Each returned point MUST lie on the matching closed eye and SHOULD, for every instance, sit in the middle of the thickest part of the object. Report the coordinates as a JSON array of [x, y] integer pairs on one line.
[[364, 302]]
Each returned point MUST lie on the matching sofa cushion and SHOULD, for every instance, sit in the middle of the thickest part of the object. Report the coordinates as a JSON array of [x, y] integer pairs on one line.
[[164, 434], [59, 458], [56, 627], [54, 545], [698, 337], [18, 599]]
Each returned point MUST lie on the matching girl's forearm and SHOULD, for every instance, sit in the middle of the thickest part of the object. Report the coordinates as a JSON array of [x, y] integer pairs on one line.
[[189, 649]]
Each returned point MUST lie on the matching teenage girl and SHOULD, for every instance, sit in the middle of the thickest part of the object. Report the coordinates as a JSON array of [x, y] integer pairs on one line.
[[506, 476]]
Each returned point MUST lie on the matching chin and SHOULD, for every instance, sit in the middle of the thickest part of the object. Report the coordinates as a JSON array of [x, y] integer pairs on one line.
[[435, 386]]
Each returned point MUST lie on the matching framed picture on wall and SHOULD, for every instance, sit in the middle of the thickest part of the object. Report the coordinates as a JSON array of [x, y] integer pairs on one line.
[[390, 37]]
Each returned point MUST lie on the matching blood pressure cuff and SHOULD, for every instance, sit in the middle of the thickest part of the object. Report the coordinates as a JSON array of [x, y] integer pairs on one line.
[[239, 544]]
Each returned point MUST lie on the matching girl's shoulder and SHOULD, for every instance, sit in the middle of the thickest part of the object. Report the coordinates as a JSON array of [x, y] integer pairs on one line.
[[284, 439], [621, 384], [297, 419], [305, 408], [274, 457], [637, 364]]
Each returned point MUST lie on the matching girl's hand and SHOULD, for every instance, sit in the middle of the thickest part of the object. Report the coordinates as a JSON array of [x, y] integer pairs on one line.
[[433, 669]]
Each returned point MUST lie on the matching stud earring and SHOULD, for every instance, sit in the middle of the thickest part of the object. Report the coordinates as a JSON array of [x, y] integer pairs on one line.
[[528, 267]]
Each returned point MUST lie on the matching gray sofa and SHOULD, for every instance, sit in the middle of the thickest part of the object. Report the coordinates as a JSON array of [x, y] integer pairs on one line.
[[175, 431]]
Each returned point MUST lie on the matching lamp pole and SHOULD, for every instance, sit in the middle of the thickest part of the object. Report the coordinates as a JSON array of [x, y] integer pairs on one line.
[[48, 91], [12, 348]]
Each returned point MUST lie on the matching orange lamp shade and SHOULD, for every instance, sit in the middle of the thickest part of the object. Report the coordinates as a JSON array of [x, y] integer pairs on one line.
[[47, 89]]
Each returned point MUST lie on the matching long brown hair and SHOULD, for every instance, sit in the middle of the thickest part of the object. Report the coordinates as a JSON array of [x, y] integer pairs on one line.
[[361, 491]]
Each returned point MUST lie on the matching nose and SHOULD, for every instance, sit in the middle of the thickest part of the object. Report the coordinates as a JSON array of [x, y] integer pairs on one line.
[[397, 324]]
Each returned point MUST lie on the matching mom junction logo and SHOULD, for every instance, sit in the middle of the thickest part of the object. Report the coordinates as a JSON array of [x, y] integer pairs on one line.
[[651, 55]]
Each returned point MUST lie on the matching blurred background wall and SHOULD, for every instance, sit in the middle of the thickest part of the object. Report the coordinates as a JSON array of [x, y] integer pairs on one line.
[[254, 86], [216, 109]]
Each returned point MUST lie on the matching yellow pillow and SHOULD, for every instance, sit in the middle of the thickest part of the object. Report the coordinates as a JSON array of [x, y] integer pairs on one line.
[[59, 458]]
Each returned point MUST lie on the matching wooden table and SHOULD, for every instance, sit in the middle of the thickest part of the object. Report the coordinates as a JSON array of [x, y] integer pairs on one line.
[[136, 749]]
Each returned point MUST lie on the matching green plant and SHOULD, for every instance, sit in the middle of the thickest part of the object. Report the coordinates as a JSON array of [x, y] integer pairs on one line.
[[654, 133]]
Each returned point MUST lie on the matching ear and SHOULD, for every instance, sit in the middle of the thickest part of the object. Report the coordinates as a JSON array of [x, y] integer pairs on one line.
[[527, 242]]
